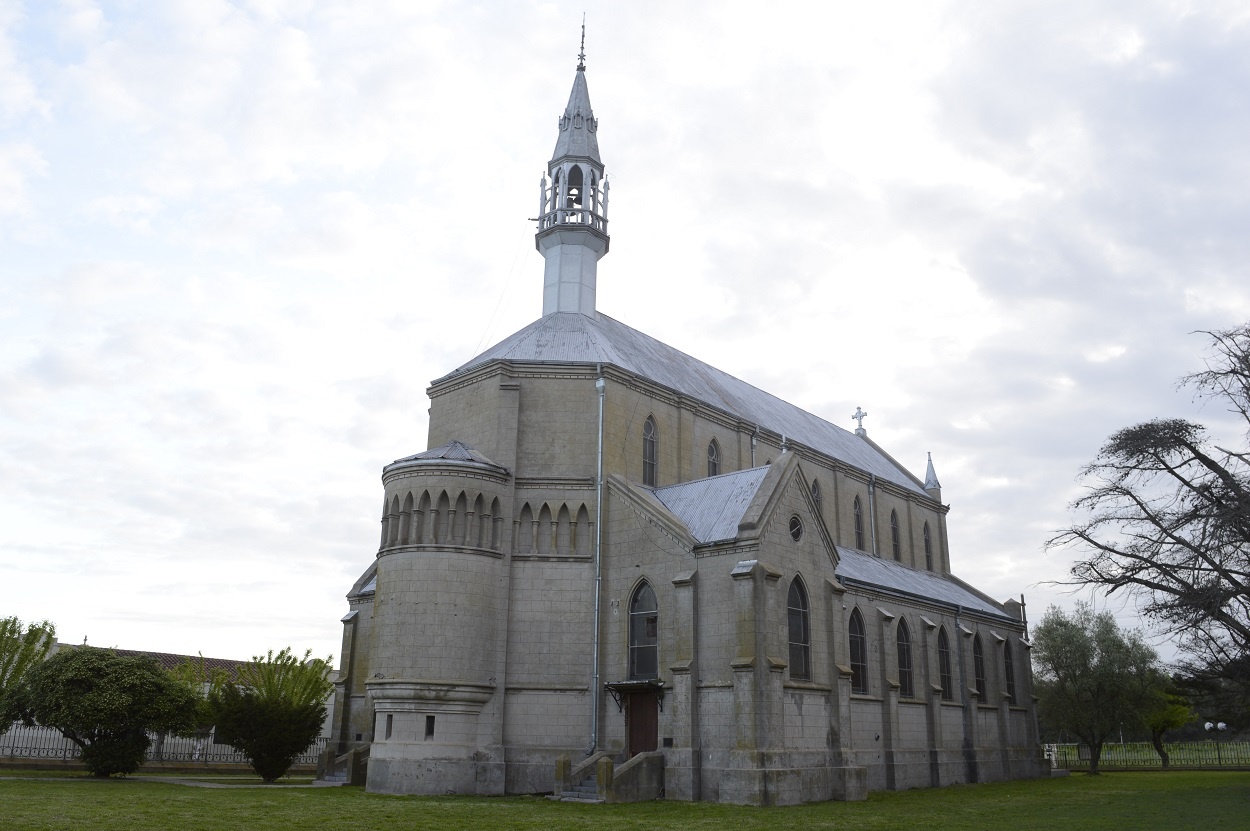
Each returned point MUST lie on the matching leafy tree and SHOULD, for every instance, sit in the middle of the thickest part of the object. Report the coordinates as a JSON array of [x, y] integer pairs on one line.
[[1167, 519], [275, 711], [198, 677], [106, 703], [1092, 679], [1169, 712], [22, 647]]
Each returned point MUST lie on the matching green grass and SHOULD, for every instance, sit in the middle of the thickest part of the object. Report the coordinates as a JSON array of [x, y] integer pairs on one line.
[[1202, 801]]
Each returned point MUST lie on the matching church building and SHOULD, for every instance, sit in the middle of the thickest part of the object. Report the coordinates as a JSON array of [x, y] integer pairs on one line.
[[619, 565]]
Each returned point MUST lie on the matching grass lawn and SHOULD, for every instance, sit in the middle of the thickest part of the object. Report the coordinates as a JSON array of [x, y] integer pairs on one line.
[[1203, 801]]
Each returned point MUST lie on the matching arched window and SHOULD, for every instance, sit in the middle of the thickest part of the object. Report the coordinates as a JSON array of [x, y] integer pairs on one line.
[[895, 544], [978, 666], [644, 635], [859, 654], [650, 451], [816, 494], [1009, 672], [800, 632], [928, 548], [713, 458], [575, 188], [906, 687], [859, 525], [944, 666]]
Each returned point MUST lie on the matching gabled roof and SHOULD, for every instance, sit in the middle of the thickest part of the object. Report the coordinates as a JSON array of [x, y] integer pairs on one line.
[[858, 567], [712, 508], [572, 338]]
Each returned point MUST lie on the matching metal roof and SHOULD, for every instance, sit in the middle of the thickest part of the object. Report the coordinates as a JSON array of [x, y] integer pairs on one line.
[[455, 451], [577, 128], [887, 574], [569, 337], [712, 508]]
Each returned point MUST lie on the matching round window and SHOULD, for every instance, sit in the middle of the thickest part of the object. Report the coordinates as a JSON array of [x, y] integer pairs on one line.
[[796, 528]]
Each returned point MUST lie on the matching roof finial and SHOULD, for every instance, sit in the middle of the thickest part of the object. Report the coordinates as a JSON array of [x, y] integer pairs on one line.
[[581, 55], [859, 417]]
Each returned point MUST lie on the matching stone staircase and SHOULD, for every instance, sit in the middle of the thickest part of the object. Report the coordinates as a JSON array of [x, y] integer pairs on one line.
[[584, 791]]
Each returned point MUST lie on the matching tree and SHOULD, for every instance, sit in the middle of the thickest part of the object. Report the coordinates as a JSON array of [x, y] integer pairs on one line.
[[1092, 678], [275, 711], [22, 647], [1168, 712], [1166, 518], [106, 704]]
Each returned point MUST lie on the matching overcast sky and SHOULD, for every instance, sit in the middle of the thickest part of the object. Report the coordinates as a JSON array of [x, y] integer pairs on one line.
[[238, 239]]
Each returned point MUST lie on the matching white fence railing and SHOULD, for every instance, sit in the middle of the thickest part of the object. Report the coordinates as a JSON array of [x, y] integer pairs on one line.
[[46, 743]]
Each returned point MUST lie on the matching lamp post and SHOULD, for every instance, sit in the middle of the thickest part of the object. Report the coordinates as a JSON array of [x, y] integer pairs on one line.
[[1217, 728]]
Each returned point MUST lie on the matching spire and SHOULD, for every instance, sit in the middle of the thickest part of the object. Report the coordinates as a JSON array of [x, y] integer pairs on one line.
[[578, 126], [573, 205], [931, 483]]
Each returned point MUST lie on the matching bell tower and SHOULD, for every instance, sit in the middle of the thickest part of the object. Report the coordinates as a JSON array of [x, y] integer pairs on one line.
[[573, 206]]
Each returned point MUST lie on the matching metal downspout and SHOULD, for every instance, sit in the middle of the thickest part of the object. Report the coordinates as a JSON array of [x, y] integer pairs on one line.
[[600, 387]]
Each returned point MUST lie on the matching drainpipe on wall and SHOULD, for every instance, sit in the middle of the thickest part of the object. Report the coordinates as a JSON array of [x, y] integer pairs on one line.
[[600, 387]]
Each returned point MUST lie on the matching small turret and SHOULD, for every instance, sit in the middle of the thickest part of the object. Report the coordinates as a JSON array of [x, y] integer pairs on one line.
[[931, 484]]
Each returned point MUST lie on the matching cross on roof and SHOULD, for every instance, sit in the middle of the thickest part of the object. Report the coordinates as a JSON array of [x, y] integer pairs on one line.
[[859, 417]]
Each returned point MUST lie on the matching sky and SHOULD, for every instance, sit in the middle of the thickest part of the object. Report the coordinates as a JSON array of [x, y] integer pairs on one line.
[[239, 239]]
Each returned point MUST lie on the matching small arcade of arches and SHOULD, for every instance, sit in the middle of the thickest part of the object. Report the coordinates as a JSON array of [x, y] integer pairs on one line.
[[557, 529], [436, 517]]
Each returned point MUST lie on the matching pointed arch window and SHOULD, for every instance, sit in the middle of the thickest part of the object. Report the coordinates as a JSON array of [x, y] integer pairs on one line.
[[644, 635], [816, 494], [574, 197], [902, 638], [944, 666], [713, 458], [800, 632], [1009, 672], [859, 524], [928, 548], [650, 450], [895, 543], [978, 666], [859, 654]]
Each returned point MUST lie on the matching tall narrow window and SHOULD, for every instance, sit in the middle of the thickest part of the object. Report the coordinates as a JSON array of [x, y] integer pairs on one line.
[[713, 458], [978, 666], [650, 451], [928, 548], [906, 687], [895, 544], [816, 494], [644, 635], [944, 665], [800, 632], [859, 654], [859, 524], [1009, 672]]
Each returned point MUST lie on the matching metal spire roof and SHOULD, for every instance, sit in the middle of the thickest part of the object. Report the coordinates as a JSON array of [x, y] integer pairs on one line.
[[578, 126], [930, 476]]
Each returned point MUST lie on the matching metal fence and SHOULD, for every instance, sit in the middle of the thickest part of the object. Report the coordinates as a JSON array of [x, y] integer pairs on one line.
[[1142, 755], [47, 744]]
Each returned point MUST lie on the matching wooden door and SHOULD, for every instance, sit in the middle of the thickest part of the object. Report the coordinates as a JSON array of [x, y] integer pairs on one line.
[[642, 722]]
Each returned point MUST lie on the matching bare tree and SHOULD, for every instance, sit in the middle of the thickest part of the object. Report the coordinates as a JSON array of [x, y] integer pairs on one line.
[[1167, 519]]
